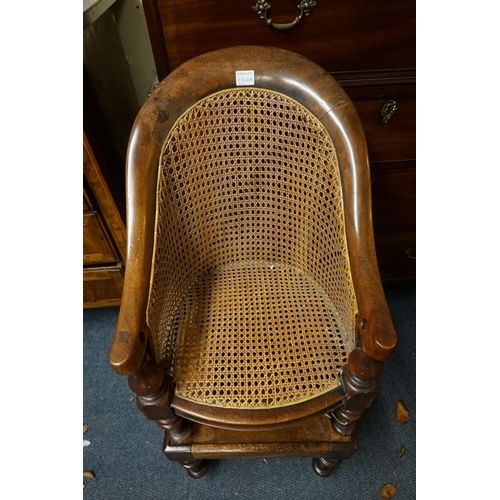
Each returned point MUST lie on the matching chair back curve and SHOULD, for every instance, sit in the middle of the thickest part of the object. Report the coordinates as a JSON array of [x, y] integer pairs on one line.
[[269, 178]]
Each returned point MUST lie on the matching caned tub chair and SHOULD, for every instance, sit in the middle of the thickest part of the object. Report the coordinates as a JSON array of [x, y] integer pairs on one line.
[[253, 321]]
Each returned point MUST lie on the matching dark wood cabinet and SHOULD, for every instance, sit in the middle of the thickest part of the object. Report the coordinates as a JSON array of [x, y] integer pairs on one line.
[[394, 140], [104, 238], [340, 36], [369, 47]]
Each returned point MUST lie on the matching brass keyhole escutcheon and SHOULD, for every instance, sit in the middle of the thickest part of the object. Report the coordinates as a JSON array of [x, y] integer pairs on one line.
[[388, 110]]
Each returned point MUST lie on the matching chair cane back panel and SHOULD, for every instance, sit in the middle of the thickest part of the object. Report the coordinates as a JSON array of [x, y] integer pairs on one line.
[[251, 302]]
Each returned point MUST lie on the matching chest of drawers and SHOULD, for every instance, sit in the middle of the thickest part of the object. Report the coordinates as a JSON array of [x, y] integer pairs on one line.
[[369, 47]]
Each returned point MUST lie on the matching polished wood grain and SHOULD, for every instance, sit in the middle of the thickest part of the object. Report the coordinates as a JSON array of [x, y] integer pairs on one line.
[[295, 76], [233, 419], [154, 396], [97, 247], [103, 199], [326, 100], [360, 376], [323, 467], [195, 468], [127, 352], [104, 237], [102, 286], [310, 439], [339, 36], [394, 140]]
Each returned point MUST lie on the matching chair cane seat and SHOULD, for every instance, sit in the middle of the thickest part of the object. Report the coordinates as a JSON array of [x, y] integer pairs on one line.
[[253, 320], [257, 335]]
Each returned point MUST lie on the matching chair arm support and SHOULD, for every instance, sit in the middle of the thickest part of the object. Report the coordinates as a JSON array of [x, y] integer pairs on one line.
[[129, 343], [131, 334], [130, 340], [374, 321], [377, 331]]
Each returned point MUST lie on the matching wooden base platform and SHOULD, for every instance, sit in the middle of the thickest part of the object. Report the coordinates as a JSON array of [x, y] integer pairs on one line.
[[315, 438]]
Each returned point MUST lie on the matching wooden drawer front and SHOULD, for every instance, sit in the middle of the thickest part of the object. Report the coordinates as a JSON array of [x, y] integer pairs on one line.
[[393, 196], [396, 254], [97, 248], [339, 35], [102, 287], [394, 140]]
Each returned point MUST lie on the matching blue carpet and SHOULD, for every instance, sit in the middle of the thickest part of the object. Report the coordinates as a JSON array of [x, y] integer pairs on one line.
[[125, 449]]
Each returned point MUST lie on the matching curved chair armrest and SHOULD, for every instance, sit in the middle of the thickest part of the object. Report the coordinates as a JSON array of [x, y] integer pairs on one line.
[[374, 322], [130, 340], [129, 343]]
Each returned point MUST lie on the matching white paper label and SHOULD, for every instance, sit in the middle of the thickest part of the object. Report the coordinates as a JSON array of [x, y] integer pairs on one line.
[[245, 77]]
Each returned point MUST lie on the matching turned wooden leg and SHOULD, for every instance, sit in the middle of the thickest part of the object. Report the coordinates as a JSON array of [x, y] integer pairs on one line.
[[344, 421], [360, 376], [179, 429], [323, 467], [195, 468], [154, 395]]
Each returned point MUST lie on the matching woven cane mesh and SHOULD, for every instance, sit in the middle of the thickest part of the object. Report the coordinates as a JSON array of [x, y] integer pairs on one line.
[[251, 302]]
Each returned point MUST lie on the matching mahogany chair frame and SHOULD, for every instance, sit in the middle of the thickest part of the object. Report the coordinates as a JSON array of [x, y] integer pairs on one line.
[[193, 435]]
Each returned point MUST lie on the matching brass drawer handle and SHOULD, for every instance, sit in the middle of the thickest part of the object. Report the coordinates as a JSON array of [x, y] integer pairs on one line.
[[388, 110], [261, 7]]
